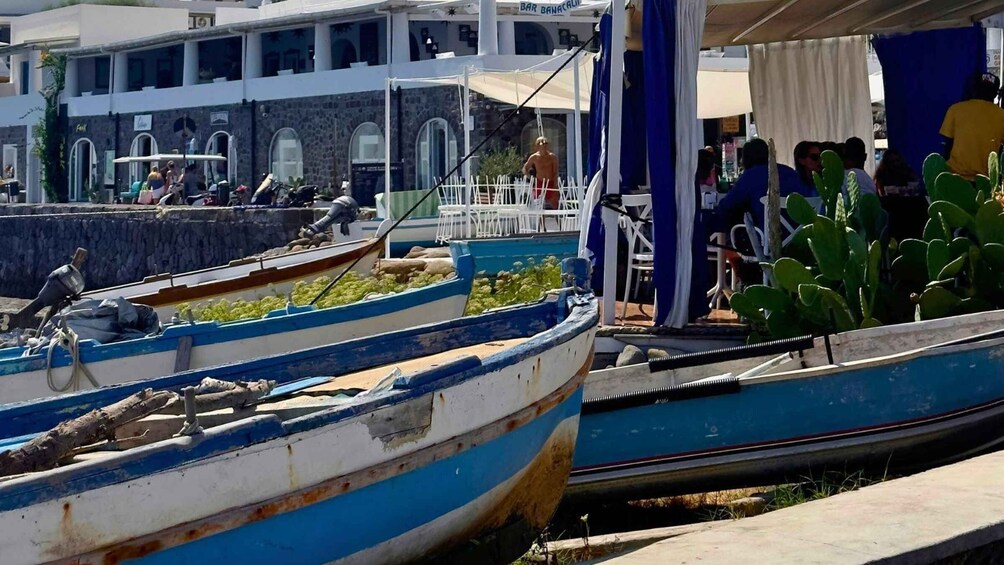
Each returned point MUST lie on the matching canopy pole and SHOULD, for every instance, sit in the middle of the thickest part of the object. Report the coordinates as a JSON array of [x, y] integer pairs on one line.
[[467, 147], [386, 159], [613, 168], [577, 130]]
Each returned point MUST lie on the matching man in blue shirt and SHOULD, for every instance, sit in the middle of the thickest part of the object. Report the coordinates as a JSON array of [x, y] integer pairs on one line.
[[745, 195]]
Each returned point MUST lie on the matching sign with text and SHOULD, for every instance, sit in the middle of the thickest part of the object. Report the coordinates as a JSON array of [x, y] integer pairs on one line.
[[367, 181], [219, 118], [730, 124], [548, 9], [142, 122]]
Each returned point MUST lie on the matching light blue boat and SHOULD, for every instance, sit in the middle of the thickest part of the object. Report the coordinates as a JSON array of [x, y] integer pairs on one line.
[[185, 346], [899, 397], [493, 255], [471, 439]]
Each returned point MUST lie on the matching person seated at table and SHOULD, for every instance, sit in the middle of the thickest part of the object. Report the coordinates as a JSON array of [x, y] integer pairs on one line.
[[894, 175], [973, 128], [855, 155], [902, 198], [746, 193], [545, 167], [807, 161], [707, 175]]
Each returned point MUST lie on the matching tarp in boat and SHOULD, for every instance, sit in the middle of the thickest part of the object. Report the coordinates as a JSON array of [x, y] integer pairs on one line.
[[104, 321]]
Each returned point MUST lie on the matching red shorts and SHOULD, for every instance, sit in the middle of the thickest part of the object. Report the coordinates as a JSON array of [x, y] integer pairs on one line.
[[552, 197]]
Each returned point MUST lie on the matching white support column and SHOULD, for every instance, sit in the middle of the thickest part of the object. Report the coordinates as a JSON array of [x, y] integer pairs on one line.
[[507, 37], [252, 62], [577, 127], [488, 31], [570, 133], [613, 170], [400, 38], [71, 87], [120, 72], [322, 47], [190, 68], [467, 148], [15, 70], [386, 160]]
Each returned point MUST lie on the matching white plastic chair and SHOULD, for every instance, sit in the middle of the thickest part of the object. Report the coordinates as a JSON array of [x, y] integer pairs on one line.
[[641, 251], [531, 217], [452, 206]]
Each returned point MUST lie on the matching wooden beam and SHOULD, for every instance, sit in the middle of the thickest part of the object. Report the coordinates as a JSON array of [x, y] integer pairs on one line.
[[889, 14], [768, 17], [831, 17], [964, 6]]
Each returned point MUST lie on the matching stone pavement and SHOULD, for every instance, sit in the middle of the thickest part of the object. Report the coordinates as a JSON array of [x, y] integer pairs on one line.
[[923, 518]]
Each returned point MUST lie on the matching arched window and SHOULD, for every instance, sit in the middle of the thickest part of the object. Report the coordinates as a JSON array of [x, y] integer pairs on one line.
[[143, 145], [286, 155], [554, 131], [343, 54], [436, 152], [532, 39], [83, 170], [221, 143], [367, 144]]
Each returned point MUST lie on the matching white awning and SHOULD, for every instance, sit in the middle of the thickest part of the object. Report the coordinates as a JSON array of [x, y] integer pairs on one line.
[[167, 157], [722, 87]]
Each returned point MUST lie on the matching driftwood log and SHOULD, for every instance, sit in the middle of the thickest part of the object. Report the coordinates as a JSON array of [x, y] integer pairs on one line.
[[214, 394], [45, 451]]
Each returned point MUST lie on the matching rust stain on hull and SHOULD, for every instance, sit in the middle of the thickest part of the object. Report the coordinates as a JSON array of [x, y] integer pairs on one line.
[[534, 499]]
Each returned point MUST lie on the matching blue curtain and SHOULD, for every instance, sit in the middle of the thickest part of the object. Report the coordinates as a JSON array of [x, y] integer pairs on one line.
[[924, 73], [597, 129], [659, 41]]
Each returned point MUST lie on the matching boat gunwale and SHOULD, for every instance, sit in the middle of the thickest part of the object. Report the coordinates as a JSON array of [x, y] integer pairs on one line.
[[35, 488], [215, 332], [355, 245]]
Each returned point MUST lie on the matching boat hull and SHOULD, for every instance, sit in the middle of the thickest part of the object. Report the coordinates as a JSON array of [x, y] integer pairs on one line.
[[210, 344], [410, 233], [414, 478], [248, 279], [901, 412]]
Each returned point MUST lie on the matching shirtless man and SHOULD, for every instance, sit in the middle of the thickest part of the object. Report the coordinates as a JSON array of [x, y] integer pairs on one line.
[[545, 165]]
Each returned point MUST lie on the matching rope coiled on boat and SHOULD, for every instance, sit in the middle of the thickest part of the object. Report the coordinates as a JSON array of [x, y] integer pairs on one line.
[[69, 340]]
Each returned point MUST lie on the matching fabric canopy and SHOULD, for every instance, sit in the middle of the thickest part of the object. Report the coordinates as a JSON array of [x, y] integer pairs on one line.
[[722, 87], [812, 90]]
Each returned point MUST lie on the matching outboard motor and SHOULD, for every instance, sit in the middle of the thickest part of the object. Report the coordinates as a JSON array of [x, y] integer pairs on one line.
[[343, 211], [61, 286]]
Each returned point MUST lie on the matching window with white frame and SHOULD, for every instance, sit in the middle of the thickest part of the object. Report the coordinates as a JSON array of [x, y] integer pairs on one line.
[[436, 152], [221, 143], [143, 145], [10, 160], [286, 155], [83, 170], [367, 144]]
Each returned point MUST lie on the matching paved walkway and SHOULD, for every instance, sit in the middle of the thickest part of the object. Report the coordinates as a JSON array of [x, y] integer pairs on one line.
[[919, 519]]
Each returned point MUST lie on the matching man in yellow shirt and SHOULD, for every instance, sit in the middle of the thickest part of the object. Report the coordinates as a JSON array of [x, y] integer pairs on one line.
[[974, 128]]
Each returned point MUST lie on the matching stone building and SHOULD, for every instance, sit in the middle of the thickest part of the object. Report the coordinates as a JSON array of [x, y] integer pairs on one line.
[[295, 88]]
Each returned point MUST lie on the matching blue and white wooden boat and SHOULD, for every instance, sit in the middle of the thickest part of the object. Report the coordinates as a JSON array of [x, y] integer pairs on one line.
[[463, 457], [204, 344], [248, 279], [905, 396], [496, 254], [410, 233]]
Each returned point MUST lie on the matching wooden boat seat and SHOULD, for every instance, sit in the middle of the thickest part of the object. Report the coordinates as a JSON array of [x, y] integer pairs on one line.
[[158, 427], [368, 378]]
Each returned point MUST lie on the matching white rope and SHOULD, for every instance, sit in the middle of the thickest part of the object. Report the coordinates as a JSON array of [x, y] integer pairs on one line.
[[67, 339]]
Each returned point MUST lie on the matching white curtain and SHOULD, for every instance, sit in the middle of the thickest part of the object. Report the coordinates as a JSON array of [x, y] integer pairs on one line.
[[812, 90], [689, 32]]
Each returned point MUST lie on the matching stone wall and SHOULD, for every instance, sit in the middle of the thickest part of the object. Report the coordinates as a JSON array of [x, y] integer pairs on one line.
[[324, 125], [125, 244]]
